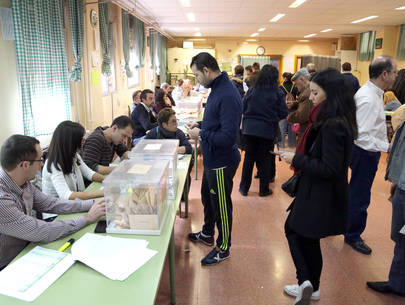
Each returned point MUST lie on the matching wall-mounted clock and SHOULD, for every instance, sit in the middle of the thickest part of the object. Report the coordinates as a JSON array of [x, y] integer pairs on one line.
[[260, 50], [93, 18]]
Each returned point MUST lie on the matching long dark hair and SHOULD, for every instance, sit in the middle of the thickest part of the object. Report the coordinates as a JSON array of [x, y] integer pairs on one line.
[[339, 102], [160, 98], [399, 86], [66, 140], [268, 77]]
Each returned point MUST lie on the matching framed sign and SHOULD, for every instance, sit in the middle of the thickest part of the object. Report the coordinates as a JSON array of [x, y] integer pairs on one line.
[[378, 43]]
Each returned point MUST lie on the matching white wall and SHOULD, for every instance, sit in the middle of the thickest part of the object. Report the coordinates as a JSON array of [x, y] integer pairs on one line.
[[10, 103]]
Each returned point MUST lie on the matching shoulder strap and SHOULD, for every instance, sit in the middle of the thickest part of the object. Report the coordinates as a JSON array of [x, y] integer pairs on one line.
[[292, 88]]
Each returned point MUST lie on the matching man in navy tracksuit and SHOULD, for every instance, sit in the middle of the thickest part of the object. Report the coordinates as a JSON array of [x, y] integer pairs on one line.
[[217, 133]]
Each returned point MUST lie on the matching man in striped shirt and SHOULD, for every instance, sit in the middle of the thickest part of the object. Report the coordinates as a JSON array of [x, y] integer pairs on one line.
[[21, 160], [100, 147]]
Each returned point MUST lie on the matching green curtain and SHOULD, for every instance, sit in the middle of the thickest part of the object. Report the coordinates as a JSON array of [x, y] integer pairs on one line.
[[139, 42], [401, 44], [161, 57], [125, 41], [105, 37], [367, 45], [76, 32], [41, 64], [152, 48]]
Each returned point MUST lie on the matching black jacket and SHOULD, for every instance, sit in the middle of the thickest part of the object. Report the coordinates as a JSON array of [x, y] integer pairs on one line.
[[262, 109], [142, 121], [220, 124], [351, 82], [320, 208], [237, 80]]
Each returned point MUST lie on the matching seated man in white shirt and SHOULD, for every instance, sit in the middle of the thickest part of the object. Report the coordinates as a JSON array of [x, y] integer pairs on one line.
[[20, 160], [371, 140], [64, 169]]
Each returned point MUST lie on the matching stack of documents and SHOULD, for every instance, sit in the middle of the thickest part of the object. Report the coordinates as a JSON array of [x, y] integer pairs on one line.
[[115, 258]]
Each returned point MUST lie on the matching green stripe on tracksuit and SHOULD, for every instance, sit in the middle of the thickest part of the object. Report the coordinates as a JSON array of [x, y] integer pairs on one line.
[[216, 189]]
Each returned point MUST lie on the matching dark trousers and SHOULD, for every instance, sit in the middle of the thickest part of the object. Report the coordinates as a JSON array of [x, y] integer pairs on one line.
[[397, 271], [307, 256], [258, 150], [364, 165], [216, 189]]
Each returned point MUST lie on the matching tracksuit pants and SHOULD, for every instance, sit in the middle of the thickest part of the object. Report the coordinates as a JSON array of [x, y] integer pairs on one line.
[[216, 189]]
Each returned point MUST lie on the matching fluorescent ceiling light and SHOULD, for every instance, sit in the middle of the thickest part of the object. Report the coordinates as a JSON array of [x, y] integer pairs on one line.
[[309, 35], [364, 19], [198, 39], [400, 8], [251, 40], [277, 17], [296, 3], [185, 3], [261, 29], [327, 30], [254, 35], [190, 17], [303, 40], [197, 34]]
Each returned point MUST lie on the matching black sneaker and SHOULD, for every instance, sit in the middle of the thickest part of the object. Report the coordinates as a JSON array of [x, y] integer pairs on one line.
[[200, 237], [214, 257]]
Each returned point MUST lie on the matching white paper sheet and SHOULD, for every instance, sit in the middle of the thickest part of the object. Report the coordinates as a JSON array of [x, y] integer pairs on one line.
[[152, 147], [32, 274], [116, 258]]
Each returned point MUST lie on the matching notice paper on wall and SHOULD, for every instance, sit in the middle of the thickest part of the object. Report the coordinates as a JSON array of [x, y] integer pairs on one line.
[[6, 23], [29, 276]]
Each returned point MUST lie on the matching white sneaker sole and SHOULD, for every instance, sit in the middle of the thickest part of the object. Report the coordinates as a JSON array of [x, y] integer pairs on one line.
[[306, 296], [294, 294]]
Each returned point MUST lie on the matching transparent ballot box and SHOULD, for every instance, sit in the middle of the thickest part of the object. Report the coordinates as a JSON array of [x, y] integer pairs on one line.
[[136, 197], [159, 149]]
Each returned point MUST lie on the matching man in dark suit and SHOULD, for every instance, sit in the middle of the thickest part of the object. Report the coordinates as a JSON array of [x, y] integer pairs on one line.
[[351, 81], [142, 117]]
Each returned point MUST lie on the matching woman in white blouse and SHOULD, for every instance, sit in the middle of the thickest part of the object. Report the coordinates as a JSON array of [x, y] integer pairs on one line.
[[64, 169]]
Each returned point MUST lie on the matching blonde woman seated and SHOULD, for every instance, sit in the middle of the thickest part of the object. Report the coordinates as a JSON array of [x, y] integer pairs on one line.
[[64, 169]]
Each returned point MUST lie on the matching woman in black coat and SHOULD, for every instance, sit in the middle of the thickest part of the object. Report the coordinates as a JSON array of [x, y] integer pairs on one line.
[[263, 106], [322, 158]]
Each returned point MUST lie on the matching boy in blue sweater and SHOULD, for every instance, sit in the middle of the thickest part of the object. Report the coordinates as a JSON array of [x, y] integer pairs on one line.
[[217, 133]]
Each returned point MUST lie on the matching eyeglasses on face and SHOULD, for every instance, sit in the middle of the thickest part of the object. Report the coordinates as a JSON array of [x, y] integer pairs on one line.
[[40, 160]]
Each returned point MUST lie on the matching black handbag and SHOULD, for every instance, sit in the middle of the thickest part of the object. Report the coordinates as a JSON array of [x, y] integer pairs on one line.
[[291, 185]]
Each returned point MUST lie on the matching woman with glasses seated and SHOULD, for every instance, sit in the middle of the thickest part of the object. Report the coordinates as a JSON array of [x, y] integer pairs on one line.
[[64, 169]]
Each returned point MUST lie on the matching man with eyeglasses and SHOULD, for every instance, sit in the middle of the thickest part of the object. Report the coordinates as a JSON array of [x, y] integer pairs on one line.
[[21, 159], [371, 141]]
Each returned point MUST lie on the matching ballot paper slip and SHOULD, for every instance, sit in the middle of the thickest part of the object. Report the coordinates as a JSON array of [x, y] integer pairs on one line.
[[116, 258], [33, 273]]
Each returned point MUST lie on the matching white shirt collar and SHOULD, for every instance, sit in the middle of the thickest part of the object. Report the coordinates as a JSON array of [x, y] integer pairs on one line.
[[146, 107], [377, 89]]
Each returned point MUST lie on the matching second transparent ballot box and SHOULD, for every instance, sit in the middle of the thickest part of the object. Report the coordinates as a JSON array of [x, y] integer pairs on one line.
[[136, 197], [159, 149]]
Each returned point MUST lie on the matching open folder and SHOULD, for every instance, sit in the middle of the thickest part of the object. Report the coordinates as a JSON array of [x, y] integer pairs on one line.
[[116, 258]]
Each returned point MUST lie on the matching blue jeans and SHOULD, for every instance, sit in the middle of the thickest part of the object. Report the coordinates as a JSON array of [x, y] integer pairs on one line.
[[364, 165], [397, 272], [285, 128]]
